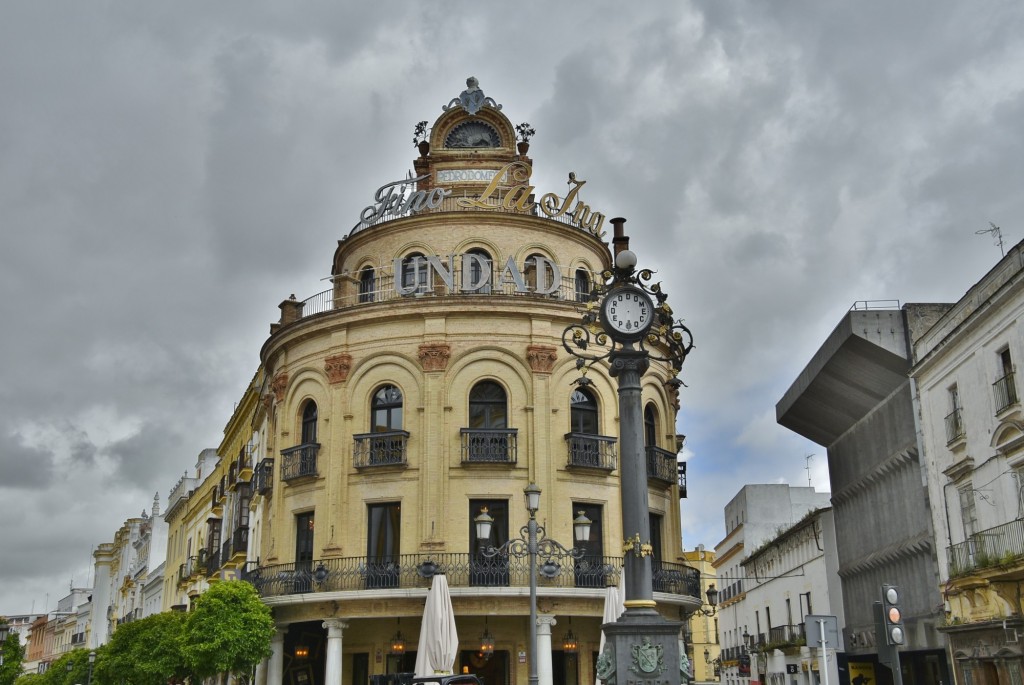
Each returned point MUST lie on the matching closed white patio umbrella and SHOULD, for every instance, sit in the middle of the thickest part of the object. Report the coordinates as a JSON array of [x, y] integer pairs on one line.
[[439, 641], [614, 598]]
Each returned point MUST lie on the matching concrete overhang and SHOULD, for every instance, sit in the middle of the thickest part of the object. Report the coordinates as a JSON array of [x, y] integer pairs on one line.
[[860, 364]]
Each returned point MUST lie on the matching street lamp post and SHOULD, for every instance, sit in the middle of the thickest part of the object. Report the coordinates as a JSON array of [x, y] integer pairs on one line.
[[628, 324], [532, 541], [92, 660]]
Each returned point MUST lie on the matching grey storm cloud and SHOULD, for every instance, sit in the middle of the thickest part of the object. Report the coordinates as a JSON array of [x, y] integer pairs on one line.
[[168, 175]]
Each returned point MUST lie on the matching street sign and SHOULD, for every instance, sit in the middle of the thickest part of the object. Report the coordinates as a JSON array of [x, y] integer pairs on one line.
[[813, 624]]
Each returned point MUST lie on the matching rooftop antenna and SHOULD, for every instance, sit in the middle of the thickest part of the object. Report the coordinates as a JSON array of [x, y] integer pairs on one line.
[[997, 232], [807, 467]]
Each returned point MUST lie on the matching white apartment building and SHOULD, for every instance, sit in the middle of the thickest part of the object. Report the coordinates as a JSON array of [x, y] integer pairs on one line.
[[753, 517], [972, 435]]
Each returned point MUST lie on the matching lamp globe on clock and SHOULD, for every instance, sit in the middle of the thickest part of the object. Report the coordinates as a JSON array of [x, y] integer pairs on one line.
[[627, 313]]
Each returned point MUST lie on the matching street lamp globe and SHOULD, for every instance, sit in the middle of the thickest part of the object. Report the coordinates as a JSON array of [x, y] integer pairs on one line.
[[581, 526], [483, 522], [532, 493]]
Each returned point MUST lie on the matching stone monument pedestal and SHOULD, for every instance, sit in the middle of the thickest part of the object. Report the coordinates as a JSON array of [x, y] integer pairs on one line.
[[641, 648]]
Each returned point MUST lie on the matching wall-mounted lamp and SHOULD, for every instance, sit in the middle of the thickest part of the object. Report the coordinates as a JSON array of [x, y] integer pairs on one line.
[[712, 595]]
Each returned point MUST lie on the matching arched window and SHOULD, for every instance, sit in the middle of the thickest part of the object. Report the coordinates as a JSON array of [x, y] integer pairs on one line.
[[386, 410], [650, 426], [480, 275], [367, 284], [582, 285], [309, 423], [414, 274], [546, 280], [488, 406], [584, 413]]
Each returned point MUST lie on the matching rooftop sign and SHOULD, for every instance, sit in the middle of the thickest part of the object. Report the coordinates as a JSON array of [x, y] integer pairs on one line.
[[399, 198]]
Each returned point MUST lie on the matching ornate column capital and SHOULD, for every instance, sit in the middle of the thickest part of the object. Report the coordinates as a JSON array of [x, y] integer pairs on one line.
[[337, 367], [279, 385], [541, 357], [434, 356], [335, 627], [544, 623]]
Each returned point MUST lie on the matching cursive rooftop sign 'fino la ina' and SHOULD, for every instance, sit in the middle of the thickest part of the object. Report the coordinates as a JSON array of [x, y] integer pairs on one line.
[[399, 198]]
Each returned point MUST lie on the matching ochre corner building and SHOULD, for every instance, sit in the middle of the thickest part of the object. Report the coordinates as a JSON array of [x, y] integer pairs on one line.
[[428, 385]]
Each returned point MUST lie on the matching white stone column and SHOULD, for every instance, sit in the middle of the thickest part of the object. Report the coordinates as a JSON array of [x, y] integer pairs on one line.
[[275, 665], [261, 672], [544, 671], [332, 671]]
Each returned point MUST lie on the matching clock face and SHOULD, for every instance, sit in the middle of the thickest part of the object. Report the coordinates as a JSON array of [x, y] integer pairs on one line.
[[627, 312]]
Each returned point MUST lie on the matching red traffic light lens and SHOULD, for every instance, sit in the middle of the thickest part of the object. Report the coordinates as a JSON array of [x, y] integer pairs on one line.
[[894, 615]]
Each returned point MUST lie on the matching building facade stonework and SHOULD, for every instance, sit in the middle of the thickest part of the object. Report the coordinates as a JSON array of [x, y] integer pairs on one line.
[[426, 388]]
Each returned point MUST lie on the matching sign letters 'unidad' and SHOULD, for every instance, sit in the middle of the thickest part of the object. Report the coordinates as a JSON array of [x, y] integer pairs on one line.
[[418, 274]]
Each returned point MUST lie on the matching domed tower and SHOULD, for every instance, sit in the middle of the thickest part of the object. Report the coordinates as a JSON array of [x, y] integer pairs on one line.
[[422, 394]]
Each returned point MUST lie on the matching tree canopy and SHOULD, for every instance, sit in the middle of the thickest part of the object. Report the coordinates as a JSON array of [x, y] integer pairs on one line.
[[144, 652], [228, 631], [13, 654]]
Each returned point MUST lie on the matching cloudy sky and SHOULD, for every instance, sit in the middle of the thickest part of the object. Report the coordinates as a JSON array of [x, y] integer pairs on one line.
[[170, 172]]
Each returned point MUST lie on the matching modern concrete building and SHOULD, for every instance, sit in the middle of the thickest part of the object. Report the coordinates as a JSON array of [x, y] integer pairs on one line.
[[427, 387], [855, 398], [972, 433], [755, 515]]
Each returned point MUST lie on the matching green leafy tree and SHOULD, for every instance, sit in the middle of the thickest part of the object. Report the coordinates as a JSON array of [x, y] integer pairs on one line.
[[144, 652], [228, 631], [59, 672], [30, 679], [13, 655]]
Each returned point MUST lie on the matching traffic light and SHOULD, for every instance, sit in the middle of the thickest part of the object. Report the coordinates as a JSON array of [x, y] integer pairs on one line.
[[892, 615]]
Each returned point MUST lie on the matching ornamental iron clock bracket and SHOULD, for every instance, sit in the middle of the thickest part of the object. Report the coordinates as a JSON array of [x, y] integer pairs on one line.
[[629, 317]]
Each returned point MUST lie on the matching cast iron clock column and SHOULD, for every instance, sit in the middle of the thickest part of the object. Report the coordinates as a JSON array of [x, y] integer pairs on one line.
[[641, 646]]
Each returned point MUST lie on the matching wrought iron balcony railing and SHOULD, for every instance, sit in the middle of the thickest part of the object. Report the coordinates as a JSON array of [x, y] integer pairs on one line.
[[264, 476], [489, 446], [213, 560], [1001, 545], [786, 635], [462, 570], [661, 465], [591, 451], [384, 448], [954, 425], [239, 541], [299, 461], [1006, 392]]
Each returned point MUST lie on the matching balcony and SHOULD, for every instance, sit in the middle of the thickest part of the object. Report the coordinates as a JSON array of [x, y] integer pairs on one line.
[[239, 545], [410, 571], [384, 448], [213, 559], [591, 451], [661, 465], [781, 637], [954, 426], [489, 446], [1006, 392], [992, 548], [244, 473], [299, 461], [264, 476]]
